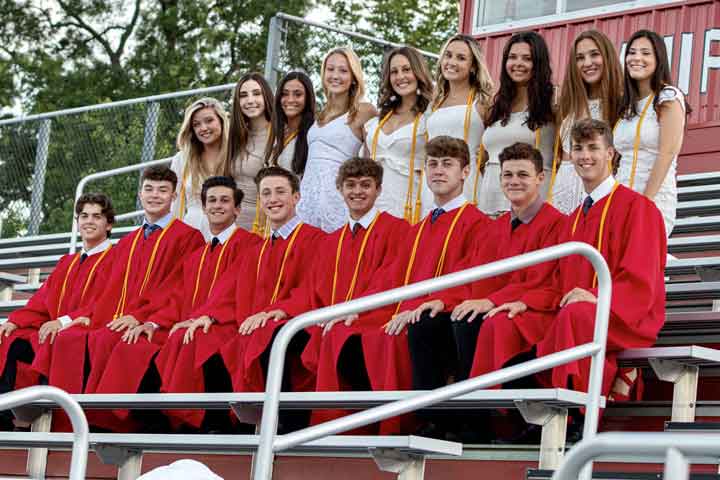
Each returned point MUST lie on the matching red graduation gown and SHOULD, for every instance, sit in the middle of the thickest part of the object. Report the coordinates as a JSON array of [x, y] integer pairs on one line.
[[177, 297], [500, 338], [179, 239], [387, 357], [252, 292], [47, 305]]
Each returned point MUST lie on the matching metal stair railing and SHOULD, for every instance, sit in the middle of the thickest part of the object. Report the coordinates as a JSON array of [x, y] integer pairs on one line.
[[643, 446], [81, 432], [105, 174], [269, 441]]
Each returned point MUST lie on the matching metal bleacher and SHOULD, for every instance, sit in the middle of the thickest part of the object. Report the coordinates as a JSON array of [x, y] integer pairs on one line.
[[693, 319]]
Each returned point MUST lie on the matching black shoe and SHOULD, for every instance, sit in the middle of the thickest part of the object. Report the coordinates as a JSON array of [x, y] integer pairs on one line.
[[530, 435], [574, 432], [468, 435], [431, 430]]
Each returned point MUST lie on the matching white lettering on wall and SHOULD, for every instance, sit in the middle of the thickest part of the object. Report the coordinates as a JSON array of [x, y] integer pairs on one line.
[[686, 45], [709, 62]]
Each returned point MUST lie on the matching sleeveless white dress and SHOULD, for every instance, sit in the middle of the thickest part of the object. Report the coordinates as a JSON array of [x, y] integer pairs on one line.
[[496, 137], [568, 191], [450, 121], [666, 198], [321, 204], [286, 156], [393, 153], [194, 214]]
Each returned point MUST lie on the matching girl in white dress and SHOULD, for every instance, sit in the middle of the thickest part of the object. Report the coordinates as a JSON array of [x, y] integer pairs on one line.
[[249, 142], [521, 112], [294, 115], [396, 138], [649, 135], [463, 94], [335, 137], [202, 150], [592, 87]]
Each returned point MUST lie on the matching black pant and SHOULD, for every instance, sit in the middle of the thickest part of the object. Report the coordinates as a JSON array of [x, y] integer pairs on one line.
[[20, 351], [440, 348], [351, 365]]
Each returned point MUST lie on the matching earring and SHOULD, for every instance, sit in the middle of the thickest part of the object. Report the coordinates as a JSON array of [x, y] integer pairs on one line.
[[393, 98], [418, 92]]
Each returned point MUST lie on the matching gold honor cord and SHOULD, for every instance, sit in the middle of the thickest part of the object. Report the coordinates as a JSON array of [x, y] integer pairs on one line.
[[258, 219], [553, 173], [123, 294], [64, 284], [338, 252], [217, 267], [181, 211], [602, 224], [636, 145], [441, 260], [87, 280], [92, 272], [284, 260]]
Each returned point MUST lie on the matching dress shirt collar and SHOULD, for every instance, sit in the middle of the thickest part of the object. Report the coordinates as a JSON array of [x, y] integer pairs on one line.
[[225, 234], [365, 220], [603, 190], [530, 212], [97, 248], [456, 202], [286, 230], [161, 222]]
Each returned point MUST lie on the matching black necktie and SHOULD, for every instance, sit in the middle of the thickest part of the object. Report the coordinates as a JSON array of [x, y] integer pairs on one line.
[[435, 214], [83, 257], [273, 237], [587, 204], [214, 243], [148, 229], [514, 223], [356, 228]]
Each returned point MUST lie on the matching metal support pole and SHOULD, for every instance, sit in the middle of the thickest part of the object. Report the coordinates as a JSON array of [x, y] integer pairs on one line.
[[676, 466], [274, 44], [37, 457], [38, 181]]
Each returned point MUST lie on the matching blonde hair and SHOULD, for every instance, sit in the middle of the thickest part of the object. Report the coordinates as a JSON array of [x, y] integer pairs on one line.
[[574, 96], [357, 87], [191, 148], [479, 75]]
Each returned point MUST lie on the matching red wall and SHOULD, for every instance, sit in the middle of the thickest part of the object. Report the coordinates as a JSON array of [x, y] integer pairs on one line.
[[689, 20]]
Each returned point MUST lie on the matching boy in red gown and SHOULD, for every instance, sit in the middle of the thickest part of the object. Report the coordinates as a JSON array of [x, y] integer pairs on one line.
[[628, 230], [188, 288], [262, 278], [36, 330], [144, 260]]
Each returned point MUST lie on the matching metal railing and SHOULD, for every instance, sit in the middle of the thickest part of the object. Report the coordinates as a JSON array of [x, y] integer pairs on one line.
[[81, 432], [652, 446], [106, 174], [269, 443]]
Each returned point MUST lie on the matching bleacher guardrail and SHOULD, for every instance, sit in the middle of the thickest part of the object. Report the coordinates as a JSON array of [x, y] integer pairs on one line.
[[269, 441], [81, 432]]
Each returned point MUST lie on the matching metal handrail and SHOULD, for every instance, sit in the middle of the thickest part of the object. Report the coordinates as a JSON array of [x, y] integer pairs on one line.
[[651, 445], [269, 442], [105, 174], [81, 432]]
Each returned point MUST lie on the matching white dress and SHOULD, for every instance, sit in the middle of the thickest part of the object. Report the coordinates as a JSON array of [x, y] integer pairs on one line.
[[247, 165], [568, 191], [194, 214], [666, 197], [393, 153], [450, 121], [491, 199], [329, 146], [286, 156]]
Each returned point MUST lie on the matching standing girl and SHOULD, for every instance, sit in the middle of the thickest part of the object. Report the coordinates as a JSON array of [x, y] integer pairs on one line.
[[396, 138], [202, 150], [522, 112], [463, 95], [650, 133], [249, 142], [334, 137], [294, 115], [592, 88]]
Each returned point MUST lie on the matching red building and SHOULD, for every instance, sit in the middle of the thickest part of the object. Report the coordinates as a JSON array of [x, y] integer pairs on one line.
[[691, 29]]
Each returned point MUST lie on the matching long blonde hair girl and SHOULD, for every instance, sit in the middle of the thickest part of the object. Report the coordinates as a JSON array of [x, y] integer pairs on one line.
[[479, 75], [357, 87], [191, 148]]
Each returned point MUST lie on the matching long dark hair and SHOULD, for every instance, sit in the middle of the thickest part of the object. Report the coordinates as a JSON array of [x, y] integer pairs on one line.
[[239, 127], [389, 100], [660, 77], [279, 122], [540, 87]]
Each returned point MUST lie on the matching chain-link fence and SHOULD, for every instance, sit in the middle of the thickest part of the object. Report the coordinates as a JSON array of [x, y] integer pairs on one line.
[[43, 157]]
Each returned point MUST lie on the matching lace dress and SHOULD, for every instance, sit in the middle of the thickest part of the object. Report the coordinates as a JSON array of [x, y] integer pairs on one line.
[[666, 197], [247, 166], [491, 199], [568, 191], [321, 204]]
